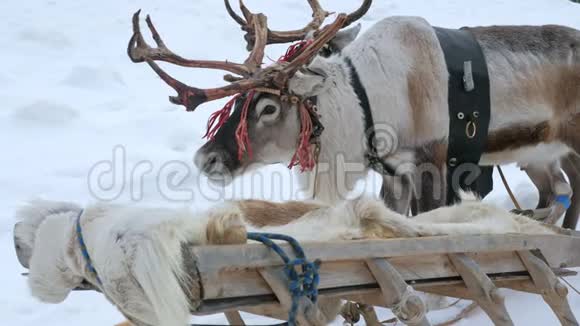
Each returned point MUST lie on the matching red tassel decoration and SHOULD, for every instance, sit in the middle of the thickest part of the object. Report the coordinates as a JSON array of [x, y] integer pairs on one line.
[[242, 137], [304, 155], [293, 50], [219, 118]]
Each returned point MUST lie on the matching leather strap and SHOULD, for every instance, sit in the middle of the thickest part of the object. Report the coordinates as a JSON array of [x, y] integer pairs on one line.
[[469, 113], [372, 157]]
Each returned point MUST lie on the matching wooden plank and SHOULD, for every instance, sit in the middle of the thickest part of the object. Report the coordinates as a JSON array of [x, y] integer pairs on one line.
[[307, 312], [482, 289], [269, 310], [370, 294], [459, 290], [552, 290], [231, 283], [397, 294], [214, 258], [234, 318]]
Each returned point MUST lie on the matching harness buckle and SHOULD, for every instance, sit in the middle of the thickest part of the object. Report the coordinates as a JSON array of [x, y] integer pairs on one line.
[[471, 130]]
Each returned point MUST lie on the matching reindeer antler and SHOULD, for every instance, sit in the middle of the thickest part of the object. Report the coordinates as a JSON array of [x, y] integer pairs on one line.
[[318, 16], [139, 51], [251, 75], [357, 14], [191, 97]]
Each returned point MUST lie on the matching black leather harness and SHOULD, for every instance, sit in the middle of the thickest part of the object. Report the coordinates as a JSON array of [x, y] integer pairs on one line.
[[469, 113], [372, 157]]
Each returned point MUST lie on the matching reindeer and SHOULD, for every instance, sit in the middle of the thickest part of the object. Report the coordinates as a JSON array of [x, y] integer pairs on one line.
[[399, 66]]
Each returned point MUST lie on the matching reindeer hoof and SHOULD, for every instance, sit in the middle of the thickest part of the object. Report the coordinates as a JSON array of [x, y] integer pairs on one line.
[[523, 212]]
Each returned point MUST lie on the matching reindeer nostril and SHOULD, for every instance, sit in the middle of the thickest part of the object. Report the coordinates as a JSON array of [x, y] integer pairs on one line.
[[212, 161]]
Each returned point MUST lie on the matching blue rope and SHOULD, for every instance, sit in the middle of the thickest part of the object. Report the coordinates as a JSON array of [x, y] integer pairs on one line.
[[303, 283], [564, 200], [84, 250]]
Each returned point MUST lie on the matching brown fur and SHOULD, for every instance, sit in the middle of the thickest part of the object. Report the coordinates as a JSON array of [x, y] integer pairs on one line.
[[555, 85], [553, 41], [552, 78], [373, 230], [431, 191], [439, 153], [226, 229], [564, 90], [422, 81], [519, 136], [419, 99], [374, 226], [260, 213]]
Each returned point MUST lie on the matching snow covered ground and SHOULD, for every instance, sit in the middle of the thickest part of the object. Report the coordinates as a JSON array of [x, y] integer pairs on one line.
[[71, 102]]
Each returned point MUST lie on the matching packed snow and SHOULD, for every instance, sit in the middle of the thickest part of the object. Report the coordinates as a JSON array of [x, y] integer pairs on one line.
[[73, 107]]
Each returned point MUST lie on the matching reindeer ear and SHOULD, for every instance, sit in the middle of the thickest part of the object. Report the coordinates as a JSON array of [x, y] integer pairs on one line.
[[311, 80], [306, 84], [345, 37]]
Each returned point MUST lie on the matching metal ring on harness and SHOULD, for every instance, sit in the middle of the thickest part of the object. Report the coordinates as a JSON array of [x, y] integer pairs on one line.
[[473, 130]]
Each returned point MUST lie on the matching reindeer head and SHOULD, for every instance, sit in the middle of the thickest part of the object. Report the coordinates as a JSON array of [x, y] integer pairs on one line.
[[267, 116]]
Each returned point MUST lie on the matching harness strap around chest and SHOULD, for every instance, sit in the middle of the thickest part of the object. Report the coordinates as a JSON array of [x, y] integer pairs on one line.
[[84, 251], [374, 161], [469, 113]]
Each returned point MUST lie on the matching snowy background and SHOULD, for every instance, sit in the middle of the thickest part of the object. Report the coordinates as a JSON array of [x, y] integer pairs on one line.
[[71, 103]]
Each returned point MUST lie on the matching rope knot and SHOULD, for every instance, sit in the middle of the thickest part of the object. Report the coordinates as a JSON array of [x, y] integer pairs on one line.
[[301, 284]]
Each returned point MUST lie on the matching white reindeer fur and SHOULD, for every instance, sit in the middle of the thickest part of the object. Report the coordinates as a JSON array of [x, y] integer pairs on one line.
[[373, 55], [343, 221], [140, 270], [137, 251]]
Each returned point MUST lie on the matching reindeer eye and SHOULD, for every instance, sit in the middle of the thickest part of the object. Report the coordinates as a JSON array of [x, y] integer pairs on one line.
[[326, 51], [269, 109]]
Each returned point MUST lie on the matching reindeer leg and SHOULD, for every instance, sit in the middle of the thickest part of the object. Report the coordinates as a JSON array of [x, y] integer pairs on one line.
[[551, 184], [397, 192], [540, 177], [571, 165], [430, 181], [561, 188]]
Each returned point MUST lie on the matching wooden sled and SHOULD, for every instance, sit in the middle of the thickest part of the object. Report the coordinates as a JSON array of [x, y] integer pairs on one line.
[[379, 272], [384, 272]]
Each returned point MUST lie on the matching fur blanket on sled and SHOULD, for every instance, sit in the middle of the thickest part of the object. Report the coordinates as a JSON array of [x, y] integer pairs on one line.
[[139, 253]]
